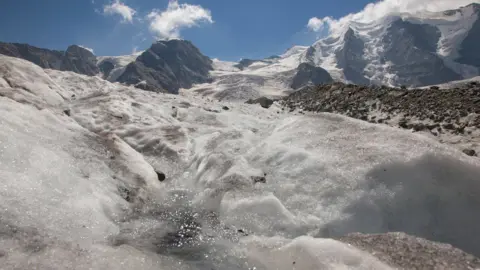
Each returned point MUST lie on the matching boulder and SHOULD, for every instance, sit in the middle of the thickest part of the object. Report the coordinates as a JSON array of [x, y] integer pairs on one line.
[[263, 101], [470, 152]]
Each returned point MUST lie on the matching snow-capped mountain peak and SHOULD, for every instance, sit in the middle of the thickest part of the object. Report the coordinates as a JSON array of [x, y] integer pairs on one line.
[[367, 52], [293, 50]]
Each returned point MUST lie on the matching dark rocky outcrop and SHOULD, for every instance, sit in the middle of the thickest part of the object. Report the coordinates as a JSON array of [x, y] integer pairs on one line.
[[44, 58], [310, 54], [409, 252], [75, 58], [273, 57], [161, 176], [263, 101], [411, 49], [169, 65], [470, 152], [245, 63], [469, 53], [149, 87], [350, 58], [80, 60], [106, 67], [308, 74], [259, 179]]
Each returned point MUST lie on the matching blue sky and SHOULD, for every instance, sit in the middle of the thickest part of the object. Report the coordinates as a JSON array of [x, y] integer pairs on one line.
[[224, 29], [240, 29]]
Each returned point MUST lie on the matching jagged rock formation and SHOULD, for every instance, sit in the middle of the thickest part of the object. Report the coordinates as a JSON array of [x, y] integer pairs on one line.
[[166, 66], [169, 65], [80, 60], [75, 58], [42, 57]]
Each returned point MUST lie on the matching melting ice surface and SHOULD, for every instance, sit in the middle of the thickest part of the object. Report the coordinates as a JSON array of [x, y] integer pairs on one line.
[[81, 191]]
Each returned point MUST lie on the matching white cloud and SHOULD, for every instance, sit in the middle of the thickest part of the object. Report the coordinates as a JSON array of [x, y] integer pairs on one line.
[[168, 23], [87, 48], [317, 25], [375, 11], [119, 8]]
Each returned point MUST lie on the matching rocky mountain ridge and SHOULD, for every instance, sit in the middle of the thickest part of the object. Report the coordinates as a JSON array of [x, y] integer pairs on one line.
[[169, 65], [165, 66], [75, 58]]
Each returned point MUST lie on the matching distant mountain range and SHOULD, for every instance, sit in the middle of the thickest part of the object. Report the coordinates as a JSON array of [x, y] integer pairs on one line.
[[165, 66], [411, 50]]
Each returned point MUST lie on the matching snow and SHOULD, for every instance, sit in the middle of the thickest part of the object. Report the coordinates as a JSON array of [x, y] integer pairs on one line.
[[294, 50], [86, 48], [119, 63], [324, 55], [219, 65], [33, 83], [269, 77], [453, 28], [81, 192], [454, 84]]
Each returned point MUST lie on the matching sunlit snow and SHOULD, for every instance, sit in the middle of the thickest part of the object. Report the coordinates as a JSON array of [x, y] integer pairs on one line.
[[79, 189]]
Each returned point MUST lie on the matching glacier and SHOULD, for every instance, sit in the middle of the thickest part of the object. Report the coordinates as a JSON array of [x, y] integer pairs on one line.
[[79, 158]]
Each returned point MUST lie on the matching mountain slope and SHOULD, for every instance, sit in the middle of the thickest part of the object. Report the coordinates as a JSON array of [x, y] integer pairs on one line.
[[80, 60], [411, 50], [310, 75], [406, 49], [165, 66], [113, 66], [75, 58], [254, 78], [169, 65], [468, 53], [41, 57]]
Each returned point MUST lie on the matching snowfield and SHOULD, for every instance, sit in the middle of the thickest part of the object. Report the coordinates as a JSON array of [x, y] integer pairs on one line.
[[269, 77], [79, 188]]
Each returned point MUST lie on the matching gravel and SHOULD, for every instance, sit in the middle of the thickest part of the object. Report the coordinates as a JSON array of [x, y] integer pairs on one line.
[[409, 252]]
